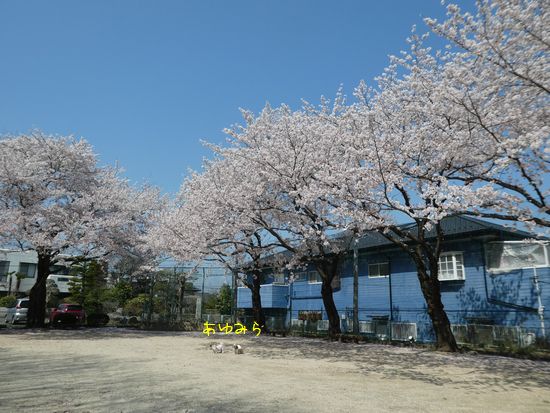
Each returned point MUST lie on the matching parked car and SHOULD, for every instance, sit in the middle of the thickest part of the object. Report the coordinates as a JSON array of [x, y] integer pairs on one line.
[[67, 314], [18, 313]]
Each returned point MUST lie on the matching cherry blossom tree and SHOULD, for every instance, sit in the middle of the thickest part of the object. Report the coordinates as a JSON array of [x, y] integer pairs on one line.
[[402, 158], [54, 199], [281, 154], [209, 221], [444, 133], [453, 133], [496, 88]]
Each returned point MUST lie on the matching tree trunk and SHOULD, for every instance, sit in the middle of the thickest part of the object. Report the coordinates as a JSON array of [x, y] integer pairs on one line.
[[257, 311], [429, 283], [421, 253], [37, 297], [328, 269]]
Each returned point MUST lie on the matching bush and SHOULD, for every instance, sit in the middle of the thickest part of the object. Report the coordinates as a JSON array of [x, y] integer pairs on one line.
[[120, 293], [97, 320], [135, 305], [8, 301], [310, 315]]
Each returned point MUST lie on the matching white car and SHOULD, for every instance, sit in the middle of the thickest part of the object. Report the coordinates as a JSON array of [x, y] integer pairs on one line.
[[18, 313]]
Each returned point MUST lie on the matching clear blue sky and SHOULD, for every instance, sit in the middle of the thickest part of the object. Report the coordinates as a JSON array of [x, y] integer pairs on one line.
[[143, 82]]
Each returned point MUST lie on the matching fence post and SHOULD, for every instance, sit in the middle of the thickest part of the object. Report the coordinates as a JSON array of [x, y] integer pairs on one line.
[[234, 298], [202, 291]]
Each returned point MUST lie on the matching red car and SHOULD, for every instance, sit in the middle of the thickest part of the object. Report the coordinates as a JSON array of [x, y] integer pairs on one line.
[[67, 314]]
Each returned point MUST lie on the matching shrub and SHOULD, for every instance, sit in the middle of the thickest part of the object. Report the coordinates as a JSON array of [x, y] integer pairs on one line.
[[8, 301], [120, 293], [310, 315], [135, 305], [98, 320]]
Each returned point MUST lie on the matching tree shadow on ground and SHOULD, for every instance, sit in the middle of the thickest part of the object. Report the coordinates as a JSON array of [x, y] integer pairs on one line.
[[476, 373], [81, 333], [59, 382]]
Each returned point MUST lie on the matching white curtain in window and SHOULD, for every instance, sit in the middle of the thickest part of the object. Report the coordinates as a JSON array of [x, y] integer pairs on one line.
[[516, 255]]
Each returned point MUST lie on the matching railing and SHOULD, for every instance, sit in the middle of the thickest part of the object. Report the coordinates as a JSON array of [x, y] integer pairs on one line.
[[476, 334], [479, 334]]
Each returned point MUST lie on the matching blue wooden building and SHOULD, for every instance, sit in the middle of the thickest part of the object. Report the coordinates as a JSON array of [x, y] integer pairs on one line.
[[495, 283]]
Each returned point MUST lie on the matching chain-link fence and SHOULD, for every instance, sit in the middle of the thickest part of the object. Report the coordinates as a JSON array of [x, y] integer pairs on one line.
[[176, 296]]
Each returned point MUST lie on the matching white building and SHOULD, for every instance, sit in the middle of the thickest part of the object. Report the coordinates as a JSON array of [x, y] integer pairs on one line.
[[18, 272]]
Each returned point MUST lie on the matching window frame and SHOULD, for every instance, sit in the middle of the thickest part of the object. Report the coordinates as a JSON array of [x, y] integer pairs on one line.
[[4, 275], [455, 268], [300, 276], [318, 278], [279, 278], [501, 270], [378, 264], [27, 272]]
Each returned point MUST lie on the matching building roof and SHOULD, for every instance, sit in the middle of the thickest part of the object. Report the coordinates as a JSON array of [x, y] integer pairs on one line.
[[453, 227]]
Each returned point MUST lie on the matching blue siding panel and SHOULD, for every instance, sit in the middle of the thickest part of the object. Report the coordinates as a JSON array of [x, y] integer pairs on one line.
[[272, 295], [244, 297], [503, 298]]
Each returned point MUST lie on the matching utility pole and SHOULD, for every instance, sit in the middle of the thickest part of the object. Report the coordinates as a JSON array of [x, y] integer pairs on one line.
[[539, 299], [355, 291]]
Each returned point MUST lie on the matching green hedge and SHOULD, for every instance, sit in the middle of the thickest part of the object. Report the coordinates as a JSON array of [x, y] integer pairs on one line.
[[8, 301]]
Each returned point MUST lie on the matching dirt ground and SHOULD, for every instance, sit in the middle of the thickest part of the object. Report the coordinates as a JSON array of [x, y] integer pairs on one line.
[[114, 370]]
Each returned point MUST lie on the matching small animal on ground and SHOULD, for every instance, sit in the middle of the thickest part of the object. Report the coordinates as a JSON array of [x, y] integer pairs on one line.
[[217, 348], [238, 349]]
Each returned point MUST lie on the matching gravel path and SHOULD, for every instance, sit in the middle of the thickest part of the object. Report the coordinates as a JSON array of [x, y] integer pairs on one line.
[[114, 370]]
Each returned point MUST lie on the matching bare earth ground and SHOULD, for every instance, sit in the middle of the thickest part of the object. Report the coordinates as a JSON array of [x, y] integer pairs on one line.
[[114, 370]]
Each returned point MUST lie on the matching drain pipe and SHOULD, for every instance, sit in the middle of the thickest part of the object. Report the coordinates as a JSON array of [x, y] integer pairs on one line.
[[391, 298]]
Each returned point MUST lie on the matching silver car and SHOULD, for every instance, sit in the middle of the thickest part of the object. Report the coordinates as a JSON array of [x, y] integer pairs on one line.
[[18, 314]]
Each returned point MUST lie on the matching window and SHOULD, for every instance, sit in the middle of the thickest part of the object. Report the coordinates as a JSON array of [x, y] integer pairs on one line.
[[278, 278], [514, 255], [451, 266], [24, 303], [4, 269], [27, 269], [380, 269], [300, 276], [313, 277], [59, 269]]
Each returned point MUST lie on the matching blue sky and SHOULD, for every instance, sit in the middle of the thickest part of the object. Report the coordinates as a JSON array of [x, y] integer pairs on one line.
[[143, 82]]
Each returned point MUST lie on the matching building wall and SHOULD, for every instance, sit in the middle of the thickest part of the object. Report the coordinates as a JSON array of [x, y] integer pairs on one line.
[[272, 296], [507, 298], [15, 259]]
